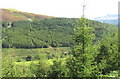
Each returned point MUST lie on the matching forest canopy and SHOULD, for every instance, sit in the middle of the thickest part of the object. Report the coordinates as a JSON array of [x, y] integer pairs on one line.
[[54, 32]]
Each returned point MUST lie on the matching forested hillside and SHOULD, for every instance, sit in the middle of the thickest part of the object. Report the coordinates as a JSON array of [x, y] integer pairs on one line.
[[55, 32]]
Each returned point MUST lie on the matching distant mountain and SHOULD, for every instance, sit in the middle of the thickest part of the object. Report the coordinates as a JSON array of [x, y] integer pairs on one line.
[[110, 19], [15, 15]]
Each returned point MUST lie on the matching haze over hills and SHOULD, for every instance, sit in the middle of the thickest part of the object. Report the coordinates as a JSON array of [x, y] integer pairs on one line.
[[110, 19], [15, 15]]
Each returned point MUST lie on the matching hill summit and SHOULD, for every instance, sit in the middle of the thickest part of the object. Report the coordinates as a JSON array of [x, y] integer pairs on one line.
[[15, 15]]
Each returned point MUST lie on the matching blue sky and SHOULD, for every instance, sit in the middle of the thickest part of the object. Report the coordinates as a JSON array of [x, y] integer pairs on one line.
[[64, 8]]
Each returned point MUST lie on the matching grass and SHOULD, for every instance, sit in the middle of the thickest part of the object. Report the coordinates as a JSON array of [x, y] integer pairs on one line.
[[27, 63], [33, 52], [20, 53]]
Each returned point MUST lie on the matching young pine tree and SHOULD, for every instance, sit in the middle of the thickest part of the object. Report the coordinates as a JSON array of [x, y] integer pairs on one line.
[[82, 64]]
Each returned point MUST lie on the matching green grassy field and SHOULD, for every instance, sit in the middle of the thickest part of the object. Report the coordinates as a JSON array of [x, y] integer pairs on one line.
[[33, 52], [22, 53], [28, 63]]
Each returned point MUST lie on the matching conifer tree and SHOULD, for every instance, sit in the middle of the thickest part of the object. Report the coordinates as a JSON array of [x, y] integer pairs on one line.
[[82, 64], [108, 58]]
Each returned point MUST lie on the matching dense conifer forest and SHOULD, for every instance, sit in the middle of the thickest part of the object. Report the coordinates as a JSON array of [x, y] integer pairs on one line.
[[55, 32]]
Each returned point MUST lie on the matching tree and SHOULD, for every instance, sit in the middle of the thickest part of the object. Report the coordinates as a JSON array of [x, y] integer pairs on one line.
[[58, 69], [82, 64], [41, 68], [108, 58], [8, 66]]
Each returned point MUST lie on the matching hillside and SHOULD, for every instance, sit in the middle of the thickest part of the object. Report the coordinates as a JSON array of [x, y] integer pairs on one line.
[[27, 30], [55, 32], [15, 15]]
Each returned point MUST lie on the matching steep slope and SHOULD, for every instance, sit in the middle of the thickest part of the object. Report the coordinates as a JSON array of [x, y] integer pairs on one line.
[[14, 15]]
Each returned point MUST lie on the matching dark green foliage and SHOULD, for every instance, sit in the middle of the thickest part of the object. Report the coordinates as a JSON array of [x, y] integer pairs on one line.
[[38, 34], [109, 55], [55, 32], [21, 24]]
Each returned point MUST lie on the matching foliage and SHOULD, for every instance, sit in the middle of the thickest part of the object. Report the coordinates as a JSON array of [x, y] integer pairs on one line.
[[82, 61], [94, 48], [8, 67], [55, 32], [108, 53], [58, 69], [41, 68]]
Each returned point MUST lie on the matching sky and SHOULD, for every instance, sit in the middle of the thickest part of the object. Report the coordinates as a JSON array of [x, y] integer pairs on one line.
[[64, 8]]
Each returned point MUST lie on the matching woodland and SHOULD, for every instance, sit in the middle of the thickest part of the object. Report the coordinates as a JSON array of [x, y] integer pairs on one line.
[[60, 47]]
